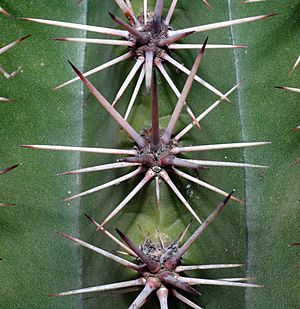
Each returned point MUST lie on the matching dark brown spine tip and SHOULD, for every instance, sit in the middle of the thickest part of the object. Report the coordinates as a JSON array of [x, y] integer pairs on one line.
[[293, 244], [8, 169], [271, 14], [204, 45], [80, 75], [228, 197], [121, 234], [112, 15], [5, 204], [24, 18], [25, 37], [13, 166], [74, 68], [90, 218], [25, 146], [280, 87], [53, 295]]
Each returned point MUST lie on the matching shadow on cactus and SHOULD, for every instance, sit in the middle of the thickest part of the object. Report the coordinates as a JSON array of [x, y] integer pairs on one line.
[[159, 268], [156, 150], [150, 41]]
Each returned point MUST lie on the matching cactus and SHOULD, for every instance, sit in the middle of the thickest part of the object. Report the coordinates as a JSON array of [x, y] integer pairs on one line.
[[247, 234]]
